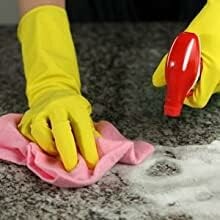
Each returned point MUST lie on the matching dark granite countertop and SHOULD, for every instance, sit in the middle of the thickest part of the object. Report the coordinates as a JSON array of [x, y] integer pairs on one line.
[[116, 64]]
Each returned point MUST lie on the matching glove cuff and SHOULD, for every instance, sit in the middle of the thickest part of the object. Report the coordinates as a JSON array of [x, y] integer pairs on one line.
[[216, 2], [48, 51], [33, 12]]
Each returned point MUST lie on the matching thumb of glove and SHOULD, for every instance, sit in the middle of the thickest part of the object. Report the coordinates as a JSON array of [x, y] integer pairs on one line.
[[158, 78]]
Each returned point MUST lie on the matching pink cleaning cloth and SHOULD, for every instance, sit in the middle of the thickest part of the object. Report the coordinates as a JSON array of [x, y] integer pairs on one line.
[[112, 148]]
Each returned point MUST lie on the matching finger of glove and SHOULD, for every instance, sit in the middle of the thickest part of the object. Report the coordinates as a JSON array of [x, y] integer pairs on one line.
[[203, 90], [43, 136], [217, 89], [89, 110], [65, 143], [25, 129], [84, 135], [96, 133], [158, 78]]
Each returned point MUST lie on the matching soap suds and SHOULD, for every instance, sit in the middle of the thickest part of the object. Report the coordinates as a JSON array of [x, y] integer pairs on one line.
[[193, 191]]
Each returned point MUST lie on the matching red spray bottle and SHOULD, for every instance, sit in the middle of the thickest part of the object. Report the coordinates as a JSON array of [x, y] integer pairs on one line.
[[182, 71]]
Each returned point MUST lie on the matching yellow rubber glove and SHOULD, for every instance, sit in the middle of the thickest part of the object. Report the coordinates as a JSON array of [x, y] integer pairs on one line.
[[207, 26], [58, 118]]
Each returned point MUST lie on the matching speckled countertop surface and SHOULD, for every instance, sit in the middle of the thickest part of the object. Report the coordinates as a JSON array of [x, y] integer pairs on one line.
[[116, 64]]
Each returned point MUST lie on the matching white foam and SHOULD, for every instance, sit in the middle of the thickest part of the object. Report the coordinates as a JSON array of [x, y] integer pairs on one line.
[[194, 191]]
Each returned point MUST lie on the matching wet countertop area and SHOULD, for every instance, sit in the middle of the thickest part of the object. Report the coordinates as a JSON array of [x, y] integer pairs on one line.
[[116, 65]]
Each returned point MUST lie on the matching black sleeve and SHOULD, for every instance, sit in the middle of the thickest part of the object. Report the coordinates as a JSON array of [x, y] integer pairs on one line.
[[132, 10]]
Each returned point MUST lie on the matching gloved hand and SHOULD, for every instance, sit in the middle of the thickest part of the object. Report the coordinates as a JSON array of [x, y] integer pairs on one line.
[[58, 118], [207, 26]]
